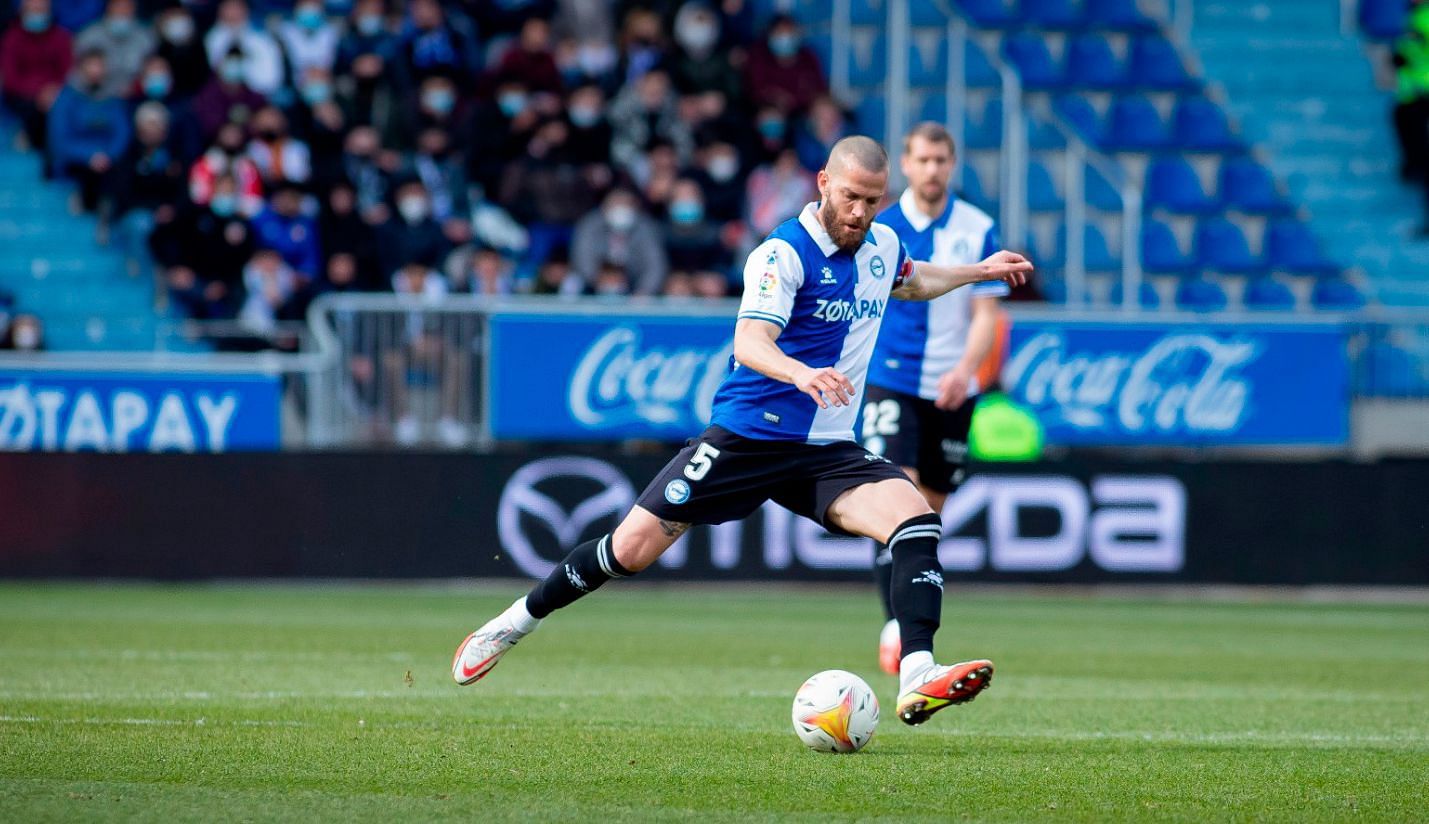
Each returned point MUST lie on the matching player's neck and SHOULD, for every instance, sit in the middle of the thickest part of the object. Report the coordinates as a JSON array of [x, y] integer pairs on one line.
[[933, 209]]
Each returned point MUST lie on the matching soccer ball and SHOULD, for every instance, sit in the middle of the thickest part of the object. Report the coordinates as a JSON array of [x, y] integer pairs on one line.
[[835, 711]]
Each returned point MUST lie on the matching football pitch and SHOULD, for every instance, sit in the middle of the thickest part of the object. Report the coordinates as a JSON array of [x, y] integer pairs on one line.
[[302, 703]]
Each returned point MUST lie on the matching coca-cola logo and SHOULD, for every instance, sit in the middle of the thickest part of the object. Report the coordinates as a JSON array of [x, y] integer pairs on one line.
[[620, 381], [1181, 383]]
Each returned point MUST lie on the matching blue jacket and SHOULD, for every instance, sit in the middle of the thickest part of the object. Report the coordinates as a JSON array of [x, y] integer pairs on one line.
[[81, 126], [295, 238]]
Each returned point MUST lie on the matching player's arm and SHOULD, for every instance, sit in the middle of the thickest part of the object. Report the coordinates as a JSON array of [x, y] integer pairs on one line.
[[982, 331], [755, 348], [928, 280]]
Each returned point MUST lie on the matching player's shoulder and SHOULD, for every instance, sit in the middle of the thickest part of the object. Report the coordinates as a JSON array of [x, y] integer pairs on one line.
[[778, 252], [883, 234], [968, 217]]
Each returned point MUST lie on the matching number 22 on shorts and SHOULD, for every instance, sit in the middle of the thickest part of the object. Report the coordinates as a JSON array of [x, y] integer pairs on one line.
[[702, 461]]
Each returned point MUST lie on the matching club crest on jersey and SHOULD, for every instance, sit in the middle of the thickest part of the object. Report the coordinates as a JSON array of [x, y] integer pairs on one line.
[[828, 276], [677, 491], [876, 267], [960, 248]]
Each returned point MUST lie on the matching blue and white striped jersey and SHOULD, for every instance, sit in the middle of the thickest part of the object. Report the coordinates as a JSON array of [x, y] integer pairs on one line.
[[923, 340], [830, 304]]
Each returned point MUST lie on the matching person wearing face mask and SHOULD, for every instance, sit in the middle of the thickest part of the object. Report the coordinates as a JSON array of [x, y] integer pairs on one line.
[[203, 251], [278, 156], [824, 124], [260, 65], [25, 334], [781, 71], [620, 233], [532, 60], [284, 225], [124, 41], [719, 176], [89, 129], [432, 42], [699, 66], [364, 53], [437, 104], [691, 240], [412, 232], [308, 38], [225, 98], [643, 113], [642, 45], [35, 59], [181, 48], [443, 173], [590, 132], [773, 131], [227, 157], [501, 128], [156, 85], [147, 181]]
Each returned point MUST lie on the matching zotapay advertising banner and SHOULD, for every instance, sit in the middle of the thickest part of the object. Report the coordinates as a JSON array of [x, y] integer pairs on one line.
[[64, 411], [1179, 384]]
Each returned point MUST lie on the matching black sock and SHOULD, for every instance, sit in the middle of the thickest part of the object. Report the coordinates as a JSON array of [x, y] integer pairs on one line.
[[917, 581], [581, 573], [883, 578]]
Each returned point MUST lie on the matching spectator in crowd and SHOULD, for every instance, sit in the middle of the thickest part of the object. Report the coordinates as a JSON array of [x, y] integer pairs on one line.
[[269, 283], [782, 71], [148, 181], [226, 98], [824, 125], [481, 270], [547, 191], [643, 113], [502, 128], [319, 121], [656, 176], [619, 235], [554, 277], [308, 38], [719, 178], [778, 191], [532, 61], [181, 48], [365, 58], [773, 133], [363, 165], [590, 132], [76, 15], [612, 279], [443, 174], [413, 235], [585, 20], [284, 228], [429, 357], [692, 242], [698, 66], [234, 37], [342, 231], [123, 40], [89, 129], [24, 334], [642, 45], [589, 60], [437, 104], [203, 253], [277, 155], [156, 84], [35, 57], [433, 45], [227, 157]]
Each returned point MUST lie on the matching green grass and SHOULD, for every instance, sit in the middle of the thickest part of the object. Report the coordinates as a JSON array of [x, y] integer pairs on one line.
[[199, 703]]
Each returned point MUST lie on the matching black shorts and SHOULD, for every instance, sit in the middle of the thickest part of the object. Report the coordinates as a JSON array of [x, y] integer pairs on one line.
[[912, 431], [721, 476]]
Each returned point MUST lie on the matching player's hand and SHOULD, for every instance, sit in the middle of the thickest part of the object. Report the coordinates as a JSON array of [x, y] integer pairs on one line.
[[953, 389], [1008, 267], [825, 385]]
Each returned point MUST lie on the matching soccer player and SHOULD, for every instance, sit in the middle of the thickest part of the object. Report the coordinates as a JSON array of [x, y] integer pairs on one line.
[[922, 383], [782, 428]]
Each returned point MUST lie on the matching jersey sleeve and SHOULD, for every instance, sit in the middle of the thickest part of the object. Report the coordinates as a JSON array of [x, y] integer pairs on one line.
[[904, 269], [991, 288], [772, 276]]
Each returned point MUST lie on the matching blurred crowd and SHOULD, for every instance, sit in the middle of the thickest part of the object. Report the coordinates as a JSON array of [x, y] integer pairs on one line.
[[251, 155], [1411, 109]]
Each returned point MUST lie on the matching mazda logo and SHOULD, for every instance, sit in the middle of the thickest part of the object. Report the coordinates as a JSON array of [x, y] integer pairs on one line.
[[522, 497]]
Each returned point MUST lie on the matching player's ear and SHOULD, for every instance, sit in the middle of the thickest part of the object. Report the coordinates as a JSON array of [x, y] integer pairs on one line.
[[822, 181]]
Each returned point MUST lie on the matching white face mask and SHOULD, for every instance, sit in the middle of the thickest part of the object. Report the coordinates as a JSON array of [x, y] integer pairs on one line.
[[620, 218], [178, 29], [699, 37], [723, 168], [413, 209], [27, 337], [217, 160]]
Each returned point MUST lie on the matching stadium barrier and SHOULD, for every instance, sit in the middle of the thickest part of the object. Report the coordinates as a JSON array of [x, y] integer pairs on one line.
[[404, 515]]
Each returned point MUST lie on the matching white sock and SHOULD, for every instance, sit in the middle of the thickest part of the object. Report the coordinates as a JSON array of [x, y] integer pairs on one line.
[[912, 668], [520, 618]]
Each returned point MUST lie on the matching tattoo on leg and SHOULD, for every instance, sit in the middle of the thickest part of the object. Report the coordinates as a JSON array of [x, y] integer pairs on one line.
[[673, 529]]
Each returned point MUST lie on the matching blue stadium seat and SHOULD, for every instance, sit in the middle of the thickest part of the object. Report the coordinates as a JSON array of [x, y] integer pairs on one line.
[[822, 45], [1200, 125], [1160, 253], [1246, 186], [928, 70], [1155, 64], [1196, 294], [1063, 15], [1291, 247], [1336, 294], [926, 14], [1091, 64], [991, 13], [934, 108], [1096, 256], [1043, 135], [972, 191], [869, 114], [1268, 295], [807, 12], [867, 12], [978, 71], [1028, 52], [1172, 184], [1041, 191], [1221, 246], [1081, 115], [1099, 192], [985, 132], [1387, 371], [1149, 298], [868, 67], [1133, 123], [1383, 19], [1054, 290], [1118, 15]]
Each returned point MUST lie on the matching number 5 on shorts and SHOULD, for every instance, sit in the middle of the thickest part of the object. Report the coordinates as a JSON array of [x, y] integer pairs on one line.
[[702, 461]]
